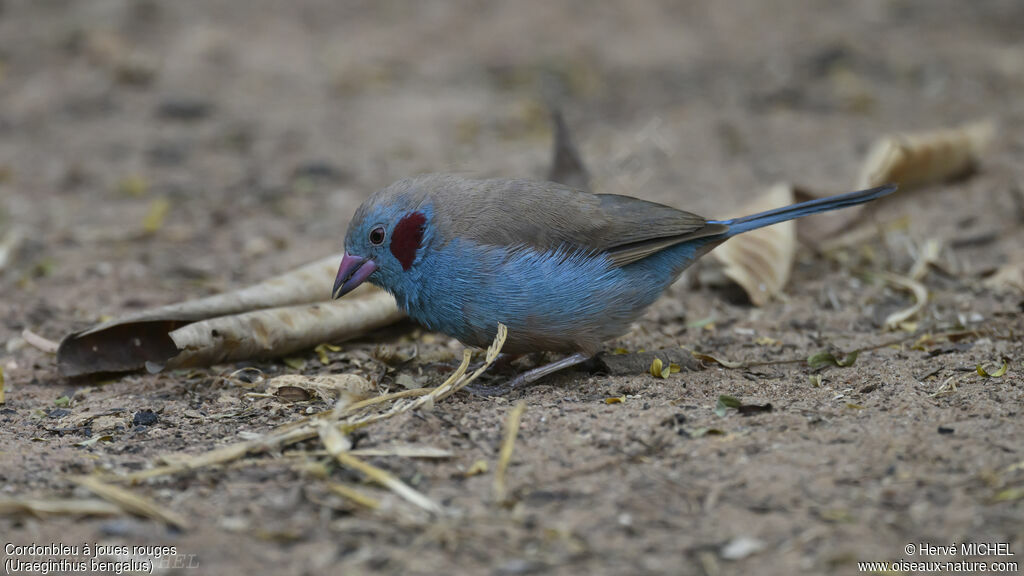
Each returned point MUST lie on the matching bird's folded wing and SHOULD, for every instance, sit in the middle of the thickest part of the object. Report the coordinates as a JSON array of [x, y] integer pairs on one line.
[[548, 216], [646, 228]]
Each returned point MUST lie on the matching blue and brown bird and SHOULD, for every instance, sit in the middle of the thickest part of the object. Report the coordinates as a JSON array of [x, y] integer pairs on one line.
[[563, 269]]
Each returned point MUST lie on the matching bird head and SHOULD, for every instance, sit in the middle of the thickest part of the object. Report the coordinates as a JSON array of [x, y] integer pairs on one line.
[[384, 240]]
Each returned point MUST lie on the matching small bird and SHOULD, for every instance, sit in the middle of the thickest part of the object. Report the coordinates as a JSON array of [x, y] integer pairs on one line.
[[563, 269]]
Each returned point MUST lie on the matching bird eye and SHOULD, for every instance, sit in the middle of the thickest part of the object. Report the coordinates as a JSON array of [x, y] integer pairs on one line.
[[377, 236]]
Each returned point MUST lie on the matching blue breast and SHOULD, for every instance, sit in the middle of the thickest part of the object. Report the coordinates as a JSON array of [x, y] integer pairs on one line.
[[558, 301]]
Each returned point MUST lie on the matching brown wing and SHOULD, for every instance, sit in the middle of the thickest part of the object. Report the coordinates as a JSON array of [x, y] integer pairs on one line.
[[672, 227], [547, 216]]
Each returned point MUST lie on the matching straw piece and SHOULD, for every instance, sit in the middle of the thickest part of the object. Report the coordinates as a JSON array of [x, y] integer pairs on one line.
[[505, 456], [58, 507], [337, 445], [130, 502]]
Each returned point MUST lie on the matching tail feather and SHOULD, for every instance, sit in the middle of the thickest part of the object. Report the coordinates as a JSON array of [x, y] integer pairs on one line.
[[748, 223]]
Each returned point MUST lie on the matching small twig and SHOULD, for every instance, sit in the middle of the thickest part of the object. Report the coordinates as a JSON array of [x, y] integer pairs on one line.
[[354, 495], [338, 446], [801, 360], [59, 506], [920, 293], [507, 445], [37, 341], [130, 502]]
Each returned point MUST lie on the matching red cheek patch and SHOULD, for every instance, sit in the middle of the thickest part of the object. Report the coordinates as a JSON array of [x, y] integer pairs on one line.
[[406, 238]]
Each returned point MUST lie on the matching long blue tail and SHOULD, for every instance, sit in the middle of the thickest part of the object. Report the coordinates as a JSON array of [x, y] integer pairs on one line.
[[748, 223]]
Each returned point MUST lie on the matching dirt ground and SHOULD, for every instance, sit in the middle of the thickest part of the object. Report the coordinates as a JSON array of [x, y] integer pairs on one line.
[[259, 127]]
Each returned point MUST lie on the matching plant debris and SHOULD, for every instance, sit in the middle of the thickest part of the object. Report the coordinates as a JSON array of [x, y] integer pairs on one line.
[[825, 358], [270, 319], [926, 157], [37, 341], [42, 507], [332, 427], [898, 319], [338, 446], [130, 502], [999, 373], [760, 261], [326, 388], [724, 403], [505, 456]]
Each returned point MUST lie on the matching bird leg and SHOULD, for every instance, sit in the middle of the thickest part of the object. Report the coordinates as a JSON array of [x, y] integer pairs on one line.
[[530, 376]]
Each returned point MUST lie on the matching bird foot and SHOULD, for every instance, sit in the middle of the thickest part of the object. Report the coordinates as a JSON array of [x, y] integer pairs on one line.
[[528, 377]]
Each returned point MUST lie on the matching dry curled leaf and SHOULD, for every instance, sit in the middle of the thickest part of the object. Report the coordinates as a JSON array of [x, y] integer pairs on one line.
[[660, 369], [273, 318], [926, 157], [1009, 277], [720, 361], [760, 261], [724, 403], [826, 358], [899, 318], [478, 467], [327, 388], [269, 333], [996, 374]]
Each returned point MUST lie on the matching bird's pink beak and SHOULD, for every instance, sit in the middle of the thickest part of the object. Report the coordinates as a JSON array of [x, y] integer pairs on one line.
[[354, 270]]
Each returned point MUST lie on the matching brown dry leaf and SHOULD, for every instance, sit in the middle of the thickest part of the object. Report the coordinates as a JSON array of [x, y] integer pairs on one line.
[[277, 331], [760, 261], [908, 160], [1008, 278], [926, 157], [129, 342], [327, 388]]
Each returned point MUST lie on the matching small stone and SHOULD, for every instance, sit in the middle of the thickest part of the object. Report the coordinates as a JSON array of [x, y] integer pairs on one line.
[[58, 413], [741, 547], [144, 418]]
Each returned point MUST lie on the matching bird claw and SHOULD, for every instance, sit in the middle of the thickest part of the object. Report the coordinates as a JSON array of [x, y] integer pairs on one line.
[[528, 377], [495, 390]]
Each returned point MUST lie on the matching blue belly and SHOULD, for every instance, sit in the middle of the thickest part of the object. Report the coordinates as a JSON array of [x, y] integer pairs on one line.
[[555, 301]]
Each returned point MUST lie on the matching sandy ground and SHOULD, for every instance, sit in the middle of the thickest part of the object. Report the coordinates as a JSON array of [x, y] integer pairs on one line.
[[262, 125]]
